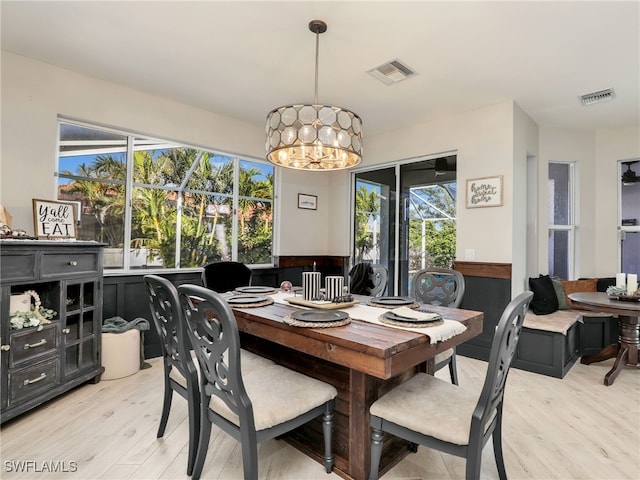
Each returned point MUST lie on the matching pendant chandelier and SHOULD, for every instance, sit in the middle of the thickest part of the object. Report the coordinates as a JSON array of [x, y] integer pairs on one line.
[[314, 137]]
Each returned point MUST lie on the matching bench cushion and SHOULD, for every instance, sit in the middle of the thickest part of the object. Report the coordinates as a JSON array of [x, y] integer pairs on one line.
[[559, 321]]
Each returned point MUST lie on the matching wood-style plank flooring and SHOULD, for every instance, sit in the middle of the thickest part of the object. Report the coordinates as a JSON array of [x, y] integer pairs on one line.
[[574, 428]]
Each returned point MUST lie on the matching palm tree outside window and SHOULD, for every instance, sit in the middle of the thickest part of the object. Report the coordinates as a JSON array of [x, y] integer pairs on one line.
[[157, 204]]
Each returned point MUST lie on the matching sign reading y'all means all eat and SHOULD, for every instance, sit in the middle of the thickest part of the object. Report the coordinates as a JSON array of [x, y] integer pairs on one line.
[[484, 192], [54, 219]]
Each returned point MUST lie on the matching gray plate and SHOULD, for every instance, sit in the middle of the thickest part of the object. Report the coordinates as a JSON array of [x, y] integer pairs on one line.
[[318, 315], [393, 301], [254, 289], [626, 298], [245, 299], [398, 318]]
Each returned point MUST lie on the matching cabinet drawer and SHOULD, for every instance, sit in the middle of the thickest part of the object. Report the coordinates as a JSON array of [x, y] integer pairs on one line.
[[66, 264], [30, 344], [18, 267], [31, 381]]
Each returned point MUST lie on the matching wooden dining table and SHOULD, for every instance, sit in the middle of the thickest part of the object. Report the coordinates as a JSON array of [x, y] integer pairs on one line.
[[625, 351], [362, 360]]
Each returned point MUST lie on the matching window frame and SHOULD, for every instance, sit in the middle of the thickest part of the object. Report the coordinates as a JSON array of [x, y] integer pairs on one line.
[[570, 227], [129, 185]]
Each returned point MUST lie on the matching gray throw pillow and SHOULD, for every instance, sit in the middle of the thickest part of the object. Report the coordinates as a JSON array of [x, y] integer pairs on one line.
[[562, 298]]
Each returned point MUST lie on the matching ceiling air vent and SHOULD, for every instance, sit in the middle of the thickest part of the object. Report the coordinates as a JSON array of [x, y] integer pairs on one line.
[[391, 72], [597, 97]]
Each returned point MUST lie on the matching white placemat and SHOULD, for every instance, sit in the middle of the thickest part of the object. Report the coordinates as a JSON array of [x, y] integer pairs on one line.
[[448, 329], [366, 313]]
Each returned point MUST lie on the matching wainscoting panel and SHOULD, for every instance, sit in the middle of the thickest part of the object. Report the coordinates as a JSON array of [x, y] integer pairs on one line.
[[488, 289]]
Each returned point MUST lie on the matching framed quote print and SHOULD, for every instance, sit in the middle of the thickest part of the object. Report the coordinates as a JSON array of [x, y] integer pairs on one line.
[[484, 192], [53, 219]]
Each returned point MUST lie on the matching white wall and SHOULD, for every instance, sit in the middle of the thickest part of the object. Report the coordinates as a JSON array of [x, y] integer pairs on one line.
[[612, 145], [597, 180], [35, 93], [483, 142], [489, 141]]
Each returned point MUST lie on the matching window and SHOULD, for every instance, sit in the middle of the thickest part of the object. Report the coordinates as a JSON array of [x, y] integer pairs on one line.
[[157, 204], [561, 219], [630, 216]]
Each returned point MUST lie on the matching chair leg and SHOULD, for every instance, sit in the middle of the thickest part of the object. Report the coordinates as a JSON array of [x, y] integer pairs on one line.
[[474, 461], [497, 451], [166, 408], [376, 452], [203, 444], [453, 370], [327, 430], [249, 446], [194, 428]]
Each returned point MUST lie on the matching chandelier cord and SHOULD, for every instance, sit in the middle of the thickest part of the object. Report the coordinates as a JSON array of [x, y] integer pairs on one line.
[[315, 97]]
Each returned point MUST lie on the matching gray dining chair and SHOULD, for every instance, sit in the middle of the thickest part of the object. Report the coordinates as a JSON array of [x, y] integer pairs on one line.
[[431, 412], [368, 278], [225, 276], [250, 406], [440, 286], [180, 365], [180, 372]]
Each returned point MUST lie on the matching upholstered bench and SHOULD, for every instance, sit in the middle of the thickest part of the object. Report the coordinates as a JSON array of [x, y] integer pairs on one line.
[[552, 341], [551, 344]]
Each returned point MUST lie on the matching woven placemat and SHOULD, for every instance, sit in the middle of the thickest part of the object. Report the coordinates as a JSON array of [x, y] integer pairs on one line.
[[391, 307], [395, 323], [265, 302], [297, 323]]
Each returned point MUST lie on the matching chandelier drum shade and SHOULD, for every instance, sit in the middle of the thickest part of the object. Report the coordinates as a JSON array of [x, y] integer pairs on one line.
[[314, 137]]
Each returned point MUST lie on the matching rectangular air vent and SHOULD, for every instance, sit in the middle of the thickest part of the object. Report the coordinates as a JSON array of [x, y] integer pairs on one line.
[[597, 97], [391, 72]]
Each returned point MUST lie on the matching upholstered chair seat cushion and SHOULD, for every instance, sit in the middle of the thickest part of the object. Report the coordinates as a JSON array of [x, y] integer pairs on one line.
[[442, 356], [250, 362], [431, 407], [277, 394]]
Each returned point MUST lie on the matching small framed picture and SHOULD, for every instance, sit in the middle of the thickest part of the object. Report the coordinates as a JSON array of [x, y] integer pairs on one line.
[[307, 202], [53, 219], [484, 192]]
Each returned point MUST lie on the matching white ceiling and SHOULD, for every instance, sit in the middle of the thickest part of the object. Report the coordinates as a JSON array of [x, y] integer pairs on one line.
[[243, 58]]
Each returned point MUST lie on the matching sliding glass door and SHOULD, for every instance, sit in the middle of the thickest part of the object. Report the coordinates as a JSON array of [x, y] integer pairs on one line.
[[410, 231], [375, 219]]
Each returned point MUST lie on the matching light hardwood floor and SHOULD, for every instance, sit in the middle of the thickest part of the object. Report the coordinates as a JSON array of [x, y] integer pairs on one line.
[[575, 428]]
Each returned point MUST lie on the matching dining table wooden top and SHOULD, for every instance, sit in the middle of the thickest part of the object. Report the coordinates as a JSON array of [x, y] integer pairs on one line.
[[374, 349]]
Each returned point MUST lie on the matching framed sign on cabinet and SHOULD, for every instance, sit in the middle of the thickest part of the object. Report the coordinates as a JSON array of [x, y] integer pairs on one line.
[[53, 219]]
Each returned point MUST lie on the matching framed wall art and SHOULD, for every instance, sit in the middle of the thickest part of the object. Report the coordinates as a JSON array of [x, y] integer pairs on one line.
[[307, 202], [484, 192], [53, 219]]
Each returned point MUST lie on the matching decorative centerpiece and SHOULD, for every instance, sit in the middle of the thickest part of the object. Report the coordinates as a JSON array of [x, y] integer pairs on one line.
[[36, 317]]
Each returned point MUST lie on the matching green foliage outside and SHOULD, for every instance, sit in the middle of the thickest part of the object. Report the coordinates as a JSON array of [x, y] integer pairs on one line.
[[439, 234], [207, 210]]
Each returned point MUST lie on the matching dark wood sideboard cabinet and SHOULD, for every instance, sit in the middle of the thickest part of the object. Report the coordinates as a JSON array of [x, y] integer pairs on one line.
[[40, 364]]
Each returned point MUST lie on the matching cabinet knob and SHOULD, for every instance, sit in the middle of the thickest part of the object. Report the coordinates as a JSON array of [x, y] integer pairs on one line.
[[5, 348], [65, 330], [73, 263]]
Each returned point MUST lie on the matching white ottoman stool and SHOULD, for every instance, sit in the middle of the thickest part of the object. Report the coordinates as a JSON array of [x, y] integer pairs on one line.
[[120, 354]]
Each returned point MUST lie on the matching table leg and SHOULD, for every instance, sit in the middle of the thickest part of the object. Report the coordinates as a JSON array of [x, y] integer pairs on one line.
[[606, 353], [625, 351], [620, 362]]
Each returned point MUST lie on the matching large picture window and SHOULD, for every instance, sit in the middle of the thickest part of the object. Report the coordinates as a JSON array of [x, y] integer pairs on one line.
[[158, 204]]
